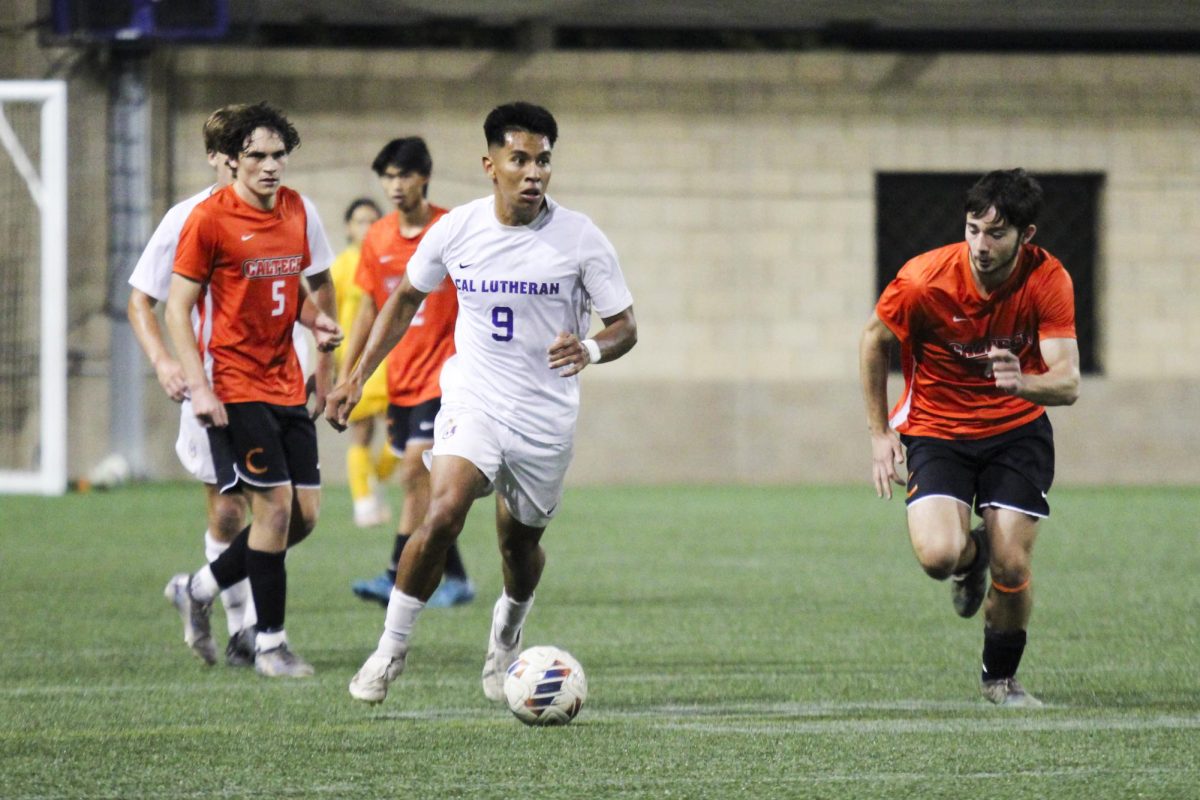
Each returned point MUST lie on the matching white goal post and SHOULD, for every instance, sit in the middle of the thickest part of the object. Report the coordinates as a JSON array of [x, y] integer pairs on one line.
[[33, 340]]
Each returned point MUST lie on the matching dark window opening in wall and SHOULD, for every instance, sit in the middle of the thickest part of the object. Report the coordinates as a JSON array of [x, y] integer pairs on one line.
[[919, 211]]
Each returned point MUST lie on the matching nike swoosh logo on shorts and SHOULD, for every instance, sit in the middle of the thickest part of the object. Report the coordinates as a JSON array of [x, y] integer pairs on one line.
[[426, 426], [247, 237], [385, 259]]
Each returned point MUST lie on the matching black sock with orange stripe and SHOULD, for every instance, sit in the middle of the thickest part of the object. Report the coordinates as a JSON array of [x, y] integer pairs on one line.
[[1002, 651]]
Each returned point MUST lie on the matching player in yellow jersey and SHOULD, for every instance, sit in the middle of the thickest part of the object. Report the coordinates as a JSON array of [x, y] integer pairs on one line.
[[362, 469]]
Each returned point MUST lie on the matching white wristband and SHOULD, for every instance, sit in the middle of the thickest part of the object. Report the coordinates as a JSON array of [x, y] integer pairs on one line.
[[593, 350]]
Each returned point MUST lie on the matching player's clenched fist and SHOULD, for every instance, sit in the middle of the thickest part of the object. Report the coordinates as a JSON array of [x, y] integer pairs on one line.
[[341, 402], [1006, 370]]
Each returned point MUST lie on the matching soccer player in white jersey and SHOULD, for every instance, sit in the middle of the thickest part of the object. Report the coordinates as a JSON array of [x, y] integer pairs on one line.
[[528, 273], [150, 282]]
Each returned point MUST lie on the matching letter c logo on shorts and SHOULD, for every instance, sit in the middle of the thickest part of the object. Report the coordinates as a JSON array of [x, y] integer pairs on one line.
[[250, 462]]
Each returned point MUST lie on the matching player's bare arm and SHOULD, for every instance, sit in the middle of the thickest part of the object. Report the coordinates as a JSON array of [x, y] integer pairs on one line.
[[1057, 386], [324, 328], [320, 287], [360, 329], [617, 338], [146, 330], [389, 328], [886, 450], [181, 299]]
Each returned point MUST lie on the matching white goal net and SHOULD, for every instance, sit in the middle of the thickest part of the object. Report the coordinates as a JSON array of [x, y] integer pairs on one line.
[[33, 296]]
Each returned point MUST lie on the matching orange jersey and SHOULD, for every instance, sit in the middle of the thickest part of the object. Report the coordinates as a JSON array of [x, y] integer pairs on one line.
[[250, 261], [946, 327], [415, 364]]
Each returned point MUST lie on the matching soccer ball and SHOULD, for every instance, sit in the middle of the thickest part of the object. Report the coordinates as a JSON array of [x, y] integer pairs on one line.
[[545, 686]]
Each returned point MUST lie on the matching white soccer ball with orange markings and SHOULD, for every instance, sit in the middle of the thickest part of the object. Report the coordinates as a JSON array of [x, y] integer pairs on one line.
[[545, 686]]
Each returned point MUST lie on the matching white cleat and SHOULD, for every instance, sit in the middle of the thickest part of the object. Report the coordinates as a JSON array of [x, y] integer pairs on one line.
[[281, 662], [196, 616], [370, 683], [495, 667]]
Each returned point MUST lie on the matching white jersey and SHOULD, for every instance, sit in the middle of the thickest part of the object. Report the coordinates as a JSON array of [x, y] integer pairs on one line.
[[152, 273], [518, 288]]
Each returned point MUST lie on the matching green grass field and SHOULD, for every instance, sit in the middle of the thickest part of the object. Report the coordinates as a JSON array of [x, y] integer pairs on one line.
[[739, 642]]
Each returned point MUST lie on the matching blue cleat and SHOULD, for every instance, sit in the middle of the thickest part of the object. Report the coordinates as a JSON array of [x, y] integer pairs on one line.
[[451, 592], [377, 589]]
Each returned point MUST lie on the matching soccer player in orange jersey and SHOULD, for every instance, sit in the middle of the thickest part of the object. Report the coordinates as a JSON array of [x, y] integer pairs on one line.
[[415, 364], [246, 246], [987, 335], [149, 285]]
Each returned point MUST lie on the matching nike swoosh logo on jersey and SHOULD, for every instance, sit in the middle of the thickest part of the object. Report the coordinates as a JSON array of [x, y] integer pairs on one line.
[[957, 318], [385, 259], [247, 237], [464, 266]]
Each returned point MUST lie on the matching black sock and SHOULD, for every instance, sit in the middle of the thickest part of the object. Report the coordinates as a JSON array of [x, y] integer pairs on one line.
[[1002, 652], [230, 567], [397, 549], [454, 564], [268, 584]]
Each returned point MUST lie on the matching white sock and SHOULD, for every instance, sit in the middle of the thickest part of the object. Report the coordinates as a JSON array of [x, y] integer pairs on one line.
[[233, 598], [204, 586], [508, 616], [269, 641], [402, 614]]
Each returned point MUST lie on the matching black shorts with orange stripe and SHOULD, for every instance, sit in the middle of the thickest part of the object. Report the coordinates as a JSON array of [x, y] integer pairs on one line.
[[265, 445], [1011, 470], [411, 424]]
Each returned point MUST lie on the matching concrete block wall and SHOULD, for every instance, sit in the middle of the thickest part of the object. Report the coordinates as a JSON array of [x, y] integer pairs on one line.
[[738, 191]]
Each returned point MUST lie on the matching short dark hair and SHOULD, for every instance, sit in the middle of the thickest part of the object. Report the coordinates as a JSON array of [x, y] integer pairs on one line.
[[358, 203], [1014, 193], [519, 116], [244, 121], [407, 154]]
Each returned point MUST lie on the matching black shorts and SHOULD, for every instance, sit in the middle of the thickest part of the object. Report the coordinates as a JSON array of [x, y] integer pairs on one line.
[[1011, 470], [265, 445], [409, 424]]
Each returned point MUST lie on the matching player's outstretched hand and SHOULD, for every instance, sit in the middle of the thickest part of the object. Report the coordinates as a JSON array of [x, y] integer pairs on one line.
[[1006, 370], [340, 402], [208, 409], [327, 333], [568, 354], [886, 454], [171, 378]]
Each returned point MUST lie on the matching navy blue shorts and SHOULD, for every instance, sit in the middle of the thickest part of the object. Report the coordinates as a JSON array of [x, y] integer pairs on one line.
[[265, 445], [410, 424], [1011, 470]]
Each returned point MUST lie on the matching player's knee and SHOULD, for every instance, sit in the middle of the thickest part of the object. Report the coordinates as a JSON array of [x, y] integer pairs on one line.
[[444, 520], [227, 517], [937, 559], [413, 474], [1010, 574]]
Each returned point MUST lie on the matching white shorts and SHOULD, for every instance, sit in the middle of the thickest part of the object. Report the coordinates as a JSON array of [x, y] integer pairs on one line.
[[528, 474], [192, 445]]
